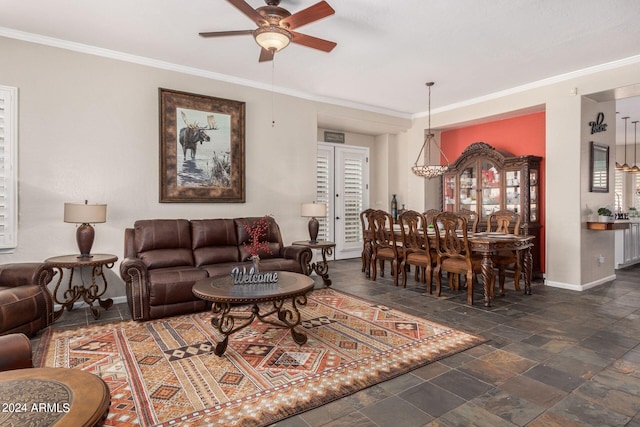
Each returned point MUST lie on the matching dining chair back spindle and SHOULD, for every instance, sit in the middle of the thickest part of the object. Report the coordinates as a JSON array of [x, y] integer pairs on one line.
[[417, 250], [454, 255], [384, 244]]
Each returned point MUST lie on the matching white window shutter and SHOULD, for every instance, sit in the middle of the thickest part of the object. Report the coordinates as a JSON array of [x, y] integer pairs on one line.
[[323, 187], [8, 168]]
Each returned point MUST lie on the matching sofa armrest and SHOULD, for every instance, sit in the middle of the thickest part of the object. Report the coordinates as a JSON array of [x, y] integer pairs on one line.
[[15, 352], [135, 275], [302, 254], [25, 273]]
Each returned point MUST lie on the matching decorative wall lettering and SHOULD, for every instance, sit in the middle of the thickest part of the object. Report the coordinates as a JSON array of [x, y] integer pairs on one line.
[[598, 125]]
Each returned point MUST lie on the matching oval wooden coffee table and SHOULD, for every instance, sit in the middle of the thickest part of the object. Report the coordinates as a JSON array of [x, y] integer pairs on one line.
[[223, 293], [53, 397]]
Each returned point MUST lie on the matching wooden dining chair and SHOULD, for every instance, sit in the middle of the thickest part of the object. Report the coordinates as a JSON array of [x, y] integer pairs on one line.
[[430, 215], [384, 244], [507, 222], [367, 238], [472, 218], [454, 255], [417, 250]]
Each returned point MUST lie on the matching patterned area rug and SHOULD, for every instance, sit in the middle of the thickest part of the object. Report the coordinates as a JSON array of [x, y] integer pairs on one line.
[[164, 372]]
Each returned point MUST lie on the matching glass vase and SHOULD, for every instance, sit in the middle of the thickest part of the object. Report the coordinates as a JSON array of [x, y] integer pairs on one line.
[[255, 259]]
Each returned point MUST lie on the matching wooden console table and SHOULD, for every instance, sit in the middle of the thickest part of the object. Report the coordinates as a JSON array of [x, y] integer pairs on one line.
[[607, 225], [74, 292]]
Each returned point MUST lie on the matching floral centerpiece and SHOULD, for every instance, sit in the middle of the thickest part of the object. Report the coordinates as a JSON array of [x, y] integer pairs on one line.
[[257, 231]]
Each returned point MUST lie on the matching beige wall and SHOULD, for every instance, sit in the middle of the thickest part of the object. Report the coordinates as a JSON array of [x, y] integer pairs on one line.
[[596, 243], [89, 130]]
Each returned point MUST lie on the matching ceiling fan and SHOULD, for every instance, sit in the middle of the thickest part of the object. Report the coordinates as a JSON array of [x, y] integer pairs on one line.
[[275, 25]]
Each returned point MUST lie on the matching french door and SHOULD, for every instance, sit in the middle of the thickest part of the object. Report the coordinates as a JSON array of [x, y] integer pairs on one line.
[[342, 178]]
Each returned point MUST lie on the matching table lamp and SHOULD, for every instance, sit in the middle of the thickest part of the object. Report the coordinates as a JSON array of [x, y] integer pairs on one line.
[[85, 214], [313, 210]]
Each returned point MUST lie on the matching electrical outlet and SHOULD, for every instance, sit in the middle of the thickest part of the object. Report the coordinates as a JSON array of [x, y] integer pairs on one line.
[[601, 259]]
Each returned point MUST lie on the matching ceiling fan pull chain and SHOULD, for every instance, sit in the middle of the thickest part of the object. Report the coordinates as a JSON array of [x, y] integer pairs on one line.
[[273, 68]]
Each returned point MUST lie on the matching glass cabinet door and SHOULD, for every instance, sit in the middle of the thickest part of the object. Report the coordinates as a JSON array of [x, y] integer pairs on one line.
[[533, 195], [491, 189], [449, 193], [512, 188], [468, 188]]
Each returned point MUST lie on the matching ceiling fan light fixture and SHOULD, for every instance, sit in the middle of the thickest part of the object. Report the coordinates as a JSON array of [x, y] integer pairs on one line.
[[271, 37]]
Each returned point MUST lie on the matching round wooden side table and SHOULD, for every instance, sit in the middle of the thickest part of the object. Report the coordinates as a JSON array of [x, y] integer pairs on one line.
[[74, 292], [53, 397]]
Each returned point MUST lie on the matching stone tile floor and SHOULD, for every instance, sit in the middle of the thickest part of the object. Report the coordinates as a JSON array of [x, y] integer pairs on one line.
[[554, 358]]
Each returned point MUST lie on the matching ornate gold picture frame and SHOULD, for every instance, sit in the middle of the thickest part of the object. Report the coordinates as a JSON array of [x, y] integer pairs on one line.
[[202, 143]]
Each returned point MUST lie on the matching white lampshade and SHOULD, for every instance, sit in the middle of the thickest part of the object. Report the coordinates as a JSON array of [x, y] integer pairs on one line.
[[272, 37], [313, 209], [84, 213]]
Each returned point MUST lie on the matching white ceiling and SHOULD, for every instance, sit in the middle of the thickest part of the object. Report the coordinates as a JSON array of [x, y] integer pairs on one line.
[[386, 50]]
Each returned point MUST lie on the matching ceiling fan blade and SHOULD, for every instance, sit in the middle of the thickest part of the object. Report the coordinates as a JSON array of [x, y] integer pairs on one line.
[[305, 16], [244, 7], [313, 42], [266, 55], [226, 33]]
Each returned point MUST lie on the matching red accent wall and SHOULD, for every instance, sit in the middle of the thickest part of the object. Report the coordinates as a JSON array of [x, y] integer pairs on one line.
[[523, 135]]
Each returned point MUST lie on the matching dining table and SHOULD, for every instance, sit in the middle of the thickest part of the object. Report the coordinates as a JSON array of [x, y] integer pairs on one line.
[[488, 244]]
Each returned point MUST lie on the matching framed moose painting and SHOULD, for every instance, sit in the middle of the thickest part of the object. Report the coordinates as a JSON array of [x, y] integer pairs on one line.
[[202, 148]]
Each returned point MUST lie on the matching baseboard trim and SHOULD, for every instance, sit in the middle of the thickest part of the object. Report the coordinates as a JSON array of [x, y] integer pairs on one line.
[[583, 287]]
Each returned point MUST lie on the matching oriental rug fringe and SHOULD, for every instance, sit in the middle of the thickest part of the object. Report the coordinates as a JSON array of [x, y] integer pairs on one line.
[[164, 372]]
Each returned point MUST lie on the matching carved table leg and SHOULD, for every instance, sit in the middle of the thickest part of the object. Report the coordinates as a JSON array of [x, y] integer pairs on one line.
[[487, 279], [92, 293], [225, 323], [527, 261], [322, 267], [288, 317]]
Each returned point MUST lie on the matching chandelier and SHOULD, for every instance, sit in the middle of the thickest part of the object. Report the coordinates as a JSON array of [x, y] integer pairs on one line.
[[426, 170], [625, 167], [635, 168]]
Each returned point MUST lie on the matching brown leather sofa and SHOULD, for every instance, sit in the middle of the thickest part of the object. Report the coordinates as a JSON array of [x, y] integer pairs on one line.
[[25, 302], [165, 257], [15, 352]]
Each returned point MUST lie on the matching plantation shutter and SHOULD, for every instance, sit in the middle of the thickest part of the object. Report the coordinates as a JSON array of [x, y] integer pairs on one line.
[[324, 175], [354, 202], [8, 168], [619, 189]]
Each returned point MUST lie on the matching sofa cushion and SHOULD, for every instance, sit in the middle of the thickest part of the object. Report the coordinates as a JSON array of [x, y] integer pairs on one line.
[[214, 241], [223, 269], [274, 238], [164, 243], [173, 285]]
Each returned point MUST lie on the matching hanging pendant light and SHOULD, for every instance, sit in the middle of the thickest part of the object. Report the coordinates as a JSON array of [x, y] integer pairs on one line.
[[625, 167], [426, 170], [635, 168]]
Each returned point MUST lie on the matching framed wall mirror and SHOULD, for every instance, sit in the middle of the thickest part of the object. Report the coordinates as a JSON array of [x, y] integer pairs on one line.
[[599, 168]]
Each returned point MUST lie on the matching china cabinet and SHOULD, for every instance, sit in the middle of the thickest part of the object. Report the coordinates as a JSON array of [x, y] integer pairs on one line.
[[486, 180]]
